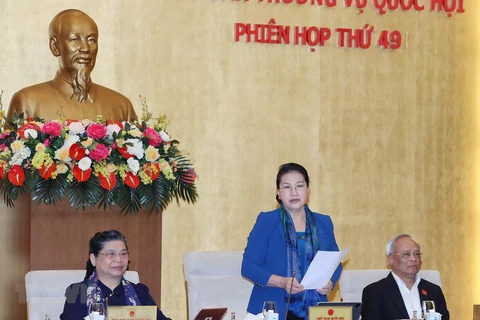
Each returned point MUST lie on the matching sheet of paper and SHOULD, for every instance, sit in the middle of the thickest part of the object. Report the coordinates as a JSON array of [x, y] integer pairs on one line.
[[322, 268]]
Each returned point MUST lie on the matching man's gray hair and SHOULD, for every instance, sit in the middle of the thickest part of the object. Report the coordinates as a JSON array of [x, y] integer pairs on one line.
[[391, 243]]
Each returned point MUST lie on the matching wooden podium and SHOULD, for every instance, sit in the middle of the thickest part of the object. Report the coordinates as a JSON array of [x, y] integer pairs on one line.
[[59, 237]]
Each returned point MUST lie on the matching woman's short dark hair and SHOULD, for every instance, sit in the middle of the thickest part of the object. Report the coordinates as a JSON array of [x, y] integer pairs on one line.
[[97, 243], [291, 167]]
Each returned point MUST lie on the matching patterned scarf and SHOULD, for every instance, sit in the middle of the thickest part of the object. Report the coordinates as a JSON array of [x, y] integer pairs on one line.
[[95, 294], [300, 302]]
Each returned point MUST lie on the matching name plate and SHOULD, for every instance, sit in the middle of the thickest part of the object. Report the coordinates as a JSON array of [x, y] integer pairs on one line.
[[132, 312], [330, 313]]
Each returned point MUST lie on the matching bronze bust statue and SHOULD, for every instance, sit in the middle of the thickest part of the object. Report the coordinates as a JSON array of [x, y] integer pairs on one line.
[[72, 94]]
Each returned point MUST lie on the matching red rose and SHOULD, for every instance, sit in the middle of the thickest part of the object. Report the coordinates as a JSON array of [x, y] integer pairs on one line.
[[81, 175], [46, 173], [76, 152], [99, 153], [96, 131], [16, 175], [52, 128], [132, 180], [107, 182]]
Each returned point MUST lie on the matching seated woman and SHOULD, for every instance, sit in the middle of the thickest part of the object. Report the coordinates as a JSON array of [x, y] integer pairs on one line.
[[104, 281]]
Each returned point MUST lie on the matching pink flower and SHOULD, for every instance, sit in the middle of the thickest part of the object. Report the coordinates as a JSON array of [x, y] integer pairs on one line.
[[154, 138], [99, 153], [46, 142], [96, 131], [52, 128]]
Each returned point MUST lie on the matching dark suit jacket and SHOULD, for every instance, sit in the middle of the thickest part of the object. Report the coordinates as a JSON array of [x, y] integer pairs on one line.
[[382, 300], [266, 254]]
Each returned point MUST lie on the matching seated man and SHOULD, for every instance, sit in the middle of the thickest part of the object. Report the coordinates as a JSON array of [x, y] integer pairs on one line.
[[72, 94], [402, 291]]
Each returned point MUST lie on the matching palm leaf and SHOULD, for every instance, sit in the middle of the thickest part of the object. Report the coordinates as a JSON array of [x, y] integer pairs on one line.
[[157, 195], [127, 199], [84, 194], [50, 191]]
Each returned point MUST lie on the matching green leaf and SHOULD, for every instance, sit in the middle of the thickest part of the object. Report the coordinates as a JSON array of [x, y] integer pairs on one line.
[[84, 194], [127, 199], [50, 191]]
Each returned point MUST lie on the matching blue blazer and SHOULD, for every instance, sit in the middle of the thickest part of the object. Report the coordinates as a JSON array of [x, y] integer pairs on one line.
[[266, 254]]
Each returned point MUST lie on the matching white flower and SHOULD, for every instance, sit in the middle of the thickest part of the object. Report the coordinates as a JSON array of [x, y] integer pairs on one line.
[[71, 140], [113, 128], [135, 147], [25, 152], [16, 159], [31, 134], [133, 165], [76, 128], [85, 163], [165, 137]]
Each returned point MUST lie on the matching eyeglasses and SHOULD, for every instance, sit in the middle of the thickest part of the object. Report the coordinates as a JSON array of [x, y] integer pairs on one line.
[[112, 255], [407, 255], [289, 188]]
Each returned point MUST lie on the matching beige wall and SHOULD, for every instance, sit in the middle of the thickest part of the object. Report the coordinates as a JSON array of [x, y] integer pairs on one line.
[[390, 138]]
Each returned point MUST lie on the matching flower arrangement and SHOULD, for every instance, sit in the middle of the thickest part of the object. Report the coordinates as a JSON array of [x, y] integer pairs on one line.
[[132, 165]]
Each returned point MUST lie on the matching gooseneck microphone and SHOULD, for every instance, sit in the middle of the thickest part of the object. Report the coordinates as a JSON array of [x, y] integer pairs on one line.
[[289, 295]]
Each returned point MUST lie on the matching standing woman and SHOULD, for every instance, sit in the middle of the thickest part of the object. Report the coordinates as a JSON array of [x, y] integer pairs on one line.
[[283, 242]]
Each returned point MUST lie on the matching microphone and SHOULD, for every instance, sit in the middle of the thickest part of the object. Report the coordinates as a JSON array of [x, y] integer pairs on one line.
[[289, 295]]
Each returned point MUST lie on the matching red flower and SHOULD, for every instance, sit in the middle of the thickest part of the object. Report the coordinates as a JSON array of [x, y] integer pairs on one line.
[[70, 121], [46, 173], [96, 131], [16, 175], [21, 131], [107, 182], [132, 180], [424, 292], [124, 153], [3, 174], [76, 152], [81, 175], [53, 128], [99, 153], [152, 170]]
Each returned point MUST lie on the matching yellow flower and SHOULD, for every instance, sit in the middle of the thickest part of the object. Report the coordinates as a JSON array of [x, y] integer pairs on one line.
[[111, 167], [16, 145], [164, 165], [100, 167], [39, 158], [62, 168], [136, 133], [151, 154], [62, 154], [87, 143], [40, 147]]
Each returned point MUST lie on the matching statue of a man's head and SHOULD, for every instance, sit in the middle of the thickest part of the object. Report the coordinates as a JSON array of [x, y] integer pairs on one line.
[[74, 39]]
